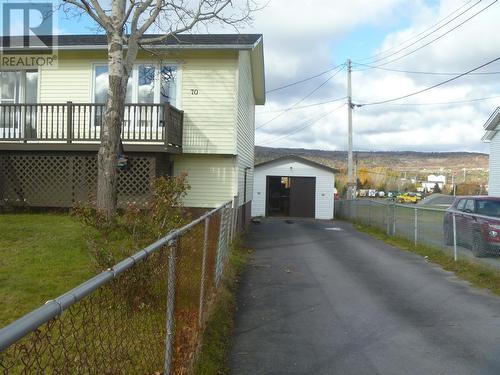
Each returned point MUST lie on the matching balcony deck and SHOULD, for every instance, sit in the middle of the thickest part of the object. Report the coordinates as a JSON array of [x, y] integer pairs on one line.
[[78, 127]]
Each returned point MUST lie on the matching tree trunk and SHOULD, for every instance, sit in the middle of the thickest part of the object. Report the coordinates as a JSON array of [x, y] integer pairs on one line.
[[110, 137]]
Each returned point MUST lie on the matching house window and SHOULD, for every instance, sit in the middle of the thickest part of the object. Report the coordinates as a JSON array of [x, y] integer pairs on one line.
[[31, 93], [100, 84], [148, 83], [168, 80], [17, 87]]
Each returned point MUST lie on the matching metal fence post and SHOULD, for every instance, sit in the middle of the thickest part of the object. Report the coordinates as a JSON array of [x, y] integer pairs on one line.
[[169, 340], [229, 213], [203, 270], [394, 218], [387, 224], [416, 226], [455, 250], [234, 217], [221, 245]]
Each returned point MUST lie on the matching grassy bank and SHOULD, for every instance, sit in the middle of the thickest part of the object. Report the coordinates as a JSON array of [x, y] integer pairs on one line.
[[41, 257], [213, 357], [478, 275]]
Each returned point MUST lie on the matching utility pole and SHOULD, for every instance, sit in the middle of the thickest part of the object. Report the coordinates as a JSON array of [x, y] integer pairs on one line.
[[350, 175]]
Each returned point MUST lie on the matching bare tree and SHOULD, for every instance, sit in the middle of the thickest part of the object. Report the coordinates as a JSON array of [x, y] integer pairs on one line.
[[126, 24]]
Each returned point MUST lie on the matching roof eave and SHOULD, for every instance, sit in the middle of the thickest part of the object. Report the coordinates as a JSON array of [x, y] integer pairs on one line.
[[258, 72], [488, 136], [158, 47], [299, 159], [493, 120]]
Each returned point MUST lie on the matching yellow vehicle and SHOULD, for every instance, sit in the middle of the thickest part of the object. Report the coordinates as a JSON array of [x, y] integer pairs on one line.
[[407, 198]]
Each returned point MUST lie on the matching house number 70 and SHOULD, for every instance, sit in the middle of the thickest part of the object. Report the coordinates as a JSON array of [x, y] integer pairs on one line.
[[194, 91]]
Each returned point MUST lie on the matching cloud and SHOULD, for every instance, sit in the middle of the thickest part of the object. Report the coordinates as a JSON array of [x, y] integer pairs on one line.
[[300, 39]]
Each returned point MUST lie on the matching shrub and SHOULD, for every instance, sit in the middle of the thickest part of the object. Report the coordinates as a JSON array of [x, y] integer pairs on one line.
[[136, 225]]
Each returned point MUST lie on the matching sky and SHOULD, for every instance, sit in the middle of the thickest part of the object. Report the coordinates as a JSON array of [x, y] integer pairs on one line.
[[303, 38]]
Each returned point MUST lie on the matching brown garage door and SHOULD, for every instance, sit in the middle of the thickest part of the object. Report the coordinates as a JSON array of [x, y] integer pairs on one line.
[[302, 196]]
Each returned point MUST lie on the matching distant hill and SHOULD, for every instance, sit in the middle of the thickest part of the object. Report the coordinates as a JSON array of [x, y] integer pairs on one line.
[[411, 162]]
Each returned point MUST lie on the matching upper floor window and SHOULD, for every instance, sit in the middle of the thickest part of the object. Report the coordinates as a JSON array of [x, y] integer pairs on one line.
[[19, 86], [148, 83]]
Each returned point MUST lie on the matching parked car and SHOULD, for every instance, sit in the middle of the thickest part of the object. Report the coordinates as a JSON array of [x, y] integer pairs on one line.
[[477, 224], [407, 198], [392, 194]]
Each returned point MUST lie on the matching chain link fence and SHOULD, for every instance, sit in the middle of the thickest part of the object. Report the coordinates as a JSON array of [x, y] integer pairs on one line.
[[459, 233], [145, 315]]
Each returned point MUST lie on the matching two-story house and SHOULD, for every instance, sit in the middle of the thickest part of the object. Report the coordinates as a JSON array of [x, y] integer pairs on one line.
[[190, 109]]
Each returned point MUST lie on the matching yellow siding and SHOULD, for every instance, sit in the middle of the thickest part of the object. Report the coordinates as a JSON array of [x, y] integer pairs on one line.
[[209, 117], [71, 81], [245, 127], [211, 178]]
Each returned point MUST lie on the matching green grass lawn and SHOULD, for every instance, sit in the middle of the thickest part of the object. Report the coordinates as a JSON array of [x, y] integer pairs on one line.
[[41, 257]]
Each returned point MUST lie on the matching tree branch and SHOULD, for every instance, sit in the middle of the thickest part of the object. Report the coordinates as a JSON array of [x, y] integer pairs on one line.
[[87, 9], [198, 17], [100, 12]]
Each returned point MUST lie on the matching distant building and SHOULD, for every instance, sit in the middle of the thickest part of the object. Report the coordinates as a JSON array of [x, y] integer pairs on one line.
[[492, 137], [432, 180]]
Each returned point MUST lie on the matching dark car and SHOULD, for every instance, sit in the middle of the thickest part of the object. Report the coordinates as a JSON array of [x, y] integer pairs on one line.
[[478, 224]]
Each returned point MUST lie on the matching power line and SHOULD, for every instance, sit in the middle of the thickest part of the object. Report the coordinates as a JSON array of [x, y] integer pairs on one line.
[[435, 39], [446, 103], [303, 106], [420, 72], [302, 127], [431, 87], [301, 100], [304, 80], [417, 35], [425, 36]]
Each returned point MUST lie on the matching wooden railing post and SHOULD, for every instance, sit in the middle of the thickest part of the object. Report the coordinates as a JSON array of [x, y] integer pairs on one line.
[[181, 128], [166, 123], [69, 121]]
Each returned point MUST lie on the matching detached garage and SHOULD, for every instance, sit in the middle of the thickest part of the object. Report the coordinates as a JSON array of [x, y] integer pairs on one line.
[[293, 186]]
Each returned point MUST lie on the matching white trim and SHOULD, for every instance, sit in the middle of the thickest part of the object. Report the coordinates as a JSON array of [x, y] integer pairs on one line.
[[182, 47], [493, 120], [39, 85], [237, 104]]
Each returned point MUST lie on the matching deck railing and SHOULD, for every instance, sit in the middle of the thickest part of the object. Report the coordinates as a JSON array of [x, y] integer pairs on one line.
[[83, 122]]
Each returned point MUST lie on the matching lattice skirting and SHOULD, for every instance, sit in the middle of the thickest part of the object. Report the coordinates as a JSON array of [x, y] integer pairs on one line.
[[61, 179]]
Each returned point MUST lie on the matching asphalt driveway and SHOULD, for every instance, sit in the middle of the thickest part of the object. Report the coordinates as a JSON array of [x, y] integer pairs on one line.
[[321, 298]]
